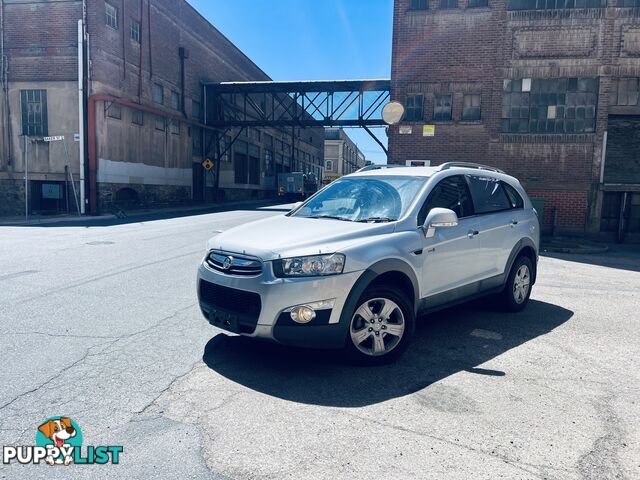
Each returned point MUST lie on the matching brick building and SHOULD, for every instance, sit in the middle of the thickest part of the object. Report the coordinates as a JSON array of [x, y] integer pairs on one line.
[[341, 155], [547, 90], [144, 141]]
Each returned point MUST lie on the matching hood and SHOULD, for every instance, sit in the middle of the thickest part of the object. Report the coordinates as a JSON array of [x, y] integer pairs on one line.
[[282, 236]]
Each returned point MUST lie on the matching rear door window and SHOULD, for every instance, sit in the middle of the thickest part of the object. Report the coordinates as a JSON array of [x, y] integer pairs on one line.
[[488, 194], [451, 193]]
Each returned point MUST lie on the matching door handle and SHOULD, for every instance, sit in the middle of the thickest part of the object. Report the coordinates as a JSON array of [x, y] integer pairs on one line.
[[472, 233], [514, 222]]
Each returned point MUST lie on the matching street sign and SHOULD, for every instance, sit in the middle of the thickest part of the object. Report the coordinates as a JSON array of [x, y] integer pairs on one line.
[[207, 164], [392, 113], [406, 129], [55, 138]]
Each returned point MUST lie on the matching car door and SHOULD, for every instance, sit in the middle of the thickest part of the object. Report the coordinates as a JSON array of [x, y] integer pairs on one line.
[[450, 256], [497, 216]]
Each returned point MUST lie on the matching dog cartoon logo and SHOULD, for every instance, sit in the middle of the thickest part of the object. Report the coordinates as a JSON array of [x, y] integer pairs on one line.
[[65, 436]]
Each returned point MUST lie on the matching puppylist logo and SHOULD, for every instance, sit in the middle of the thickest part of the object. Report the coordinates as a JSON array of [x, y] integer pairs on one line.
[[59, 442]]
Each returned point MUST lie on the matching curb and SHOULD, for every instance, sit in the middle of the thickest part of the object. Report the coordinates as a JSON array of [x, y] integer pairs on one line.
[[580, 249]]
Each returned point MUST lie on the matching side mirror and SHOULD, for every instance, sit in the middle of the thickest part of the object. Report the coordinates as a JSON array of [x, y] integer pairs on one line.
[[439, 218]]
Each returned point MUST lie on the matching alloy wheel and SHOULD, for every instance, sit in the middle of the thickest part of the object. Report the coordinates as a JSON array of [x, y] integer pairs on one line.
[[377, 326], [521, 284]]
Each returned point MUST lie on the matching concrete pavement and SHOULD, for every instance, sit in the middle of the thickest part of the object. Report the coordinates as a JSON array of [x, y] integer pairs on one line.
[[101, 324]]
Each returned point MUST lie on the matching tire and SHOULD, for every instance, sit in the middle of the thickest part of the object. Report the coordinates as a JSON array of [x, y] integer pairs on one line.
[[378, 345], [517, 290]]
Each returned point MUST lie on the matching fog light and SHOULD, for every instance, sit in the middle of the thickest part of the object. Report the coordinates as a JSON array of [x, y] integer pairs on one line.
[[302, 314]]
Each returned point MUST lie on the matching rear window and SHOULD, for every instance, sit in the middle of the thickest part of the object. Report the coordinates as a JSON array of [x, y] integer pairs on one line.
[[514, 197], [488, 194]]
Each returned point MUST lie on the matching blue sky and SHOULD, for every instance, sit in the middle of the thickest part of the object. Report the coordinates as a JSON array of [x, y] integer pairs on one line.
[[311, 40]]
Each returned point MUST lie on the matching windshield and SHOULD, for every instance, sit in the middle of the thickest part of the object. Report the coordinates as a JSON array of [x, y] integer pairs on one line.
[[362, 199]]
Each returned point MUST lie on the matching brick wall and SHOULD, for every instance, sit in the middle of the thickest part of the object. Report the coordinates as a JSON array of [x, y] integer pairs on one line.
[[472, 50]]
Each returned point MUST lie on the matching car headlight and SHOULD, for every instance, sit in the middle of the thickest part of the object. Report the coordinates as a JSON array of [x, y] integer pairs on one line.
[[311, 266]]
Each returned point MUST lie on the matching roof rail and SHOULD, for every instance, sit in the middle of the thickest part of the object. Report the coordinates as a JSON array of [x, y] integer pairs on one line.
[[479, 166], [377, 167]]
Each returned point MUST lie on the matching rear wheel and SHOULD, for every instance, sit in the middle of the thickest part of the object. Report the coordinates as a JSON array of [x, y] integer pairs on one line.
[[517, 291], [381, 326]]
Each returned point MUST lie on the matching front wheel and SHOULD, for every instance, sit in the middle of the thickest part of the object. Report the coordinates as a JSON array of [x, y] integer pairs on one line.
[[381, 326], [517, 291]]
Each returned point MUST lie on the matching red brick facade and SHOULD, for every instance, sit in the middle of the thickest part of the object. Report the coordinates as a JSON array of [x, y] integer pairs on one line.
[[468, 50]]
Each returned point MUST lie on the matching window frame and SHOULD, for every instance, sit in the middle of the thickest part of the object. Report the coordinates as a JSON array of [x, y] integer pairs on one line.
[[436, 98], [40, 128], [134, 30], [111, 18], [449, 4], [158, 88], [479, 107], [412, 110], [478, 4], [419, 5], [175, 100]]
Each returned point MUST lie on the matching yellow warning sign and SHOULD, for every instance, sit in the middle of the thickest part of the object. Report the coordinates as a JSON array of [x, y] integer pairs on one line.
[[207, 164], [428, 130]]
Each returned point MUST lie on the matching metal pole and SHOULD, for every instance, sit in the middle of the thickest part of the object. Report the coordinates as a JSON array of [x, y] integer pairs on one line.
[[73, 185], [26, 180], [81, 113]]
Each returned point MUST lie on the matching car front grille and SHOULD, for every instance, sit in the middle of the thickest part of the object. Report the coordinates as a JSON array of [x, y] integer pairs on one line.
[[231, 264], [240, 302]]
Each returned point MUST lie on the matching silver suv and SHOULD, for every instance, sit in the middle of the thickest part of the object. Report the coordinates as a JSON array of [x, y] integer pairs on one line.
[[354, 265]]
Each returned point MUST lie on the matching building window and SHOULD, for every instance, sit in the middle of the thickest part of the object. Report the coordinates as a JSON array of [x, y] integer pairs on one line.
[[419, 5], [175, 127], [111, 13], [448, 4], [196, 142], [628, 90], [471, 107], [268, 140], [196, 111], [442, 107], [113, 110], [329, 165], [137, 117], [477, 3], [552, 105], [34, 112], [159, 123], [414, 105], [554, 4], [158, 94], [135, 30], [268, 162], [628, 3], [175, 100]]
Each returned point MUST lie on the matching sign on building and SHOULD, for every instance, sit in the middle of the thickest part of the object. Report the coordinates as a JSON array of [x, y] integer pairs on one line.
[[428, 130]]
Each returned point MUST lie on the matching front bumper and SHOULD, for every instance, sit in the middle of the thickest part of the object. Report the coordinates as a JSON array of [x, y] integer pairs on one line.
[[273, 295]]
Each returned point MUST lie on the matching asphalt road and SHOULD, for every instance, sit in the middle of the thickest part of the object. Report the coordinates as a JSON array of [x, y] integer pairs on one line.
[[101, 324]]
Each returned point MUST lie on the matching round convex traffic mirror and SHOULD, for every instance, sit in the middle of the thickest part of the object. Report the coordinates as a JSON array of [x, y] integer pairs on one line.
[[392, 113]]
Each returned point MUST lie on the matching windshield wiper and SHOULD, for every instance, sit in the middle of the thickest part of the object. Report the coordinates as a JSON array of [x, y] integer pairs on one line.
[[331, 217], [377, 220]]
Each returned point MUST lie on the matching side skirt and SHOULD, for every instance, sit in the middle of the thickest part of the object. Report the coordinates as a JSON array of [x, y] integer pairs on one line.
[[463, 294]]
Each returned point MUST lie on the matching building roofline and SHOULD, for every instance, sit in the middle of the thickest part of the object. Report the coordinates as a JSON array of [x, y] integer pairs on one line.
[[233, 45]]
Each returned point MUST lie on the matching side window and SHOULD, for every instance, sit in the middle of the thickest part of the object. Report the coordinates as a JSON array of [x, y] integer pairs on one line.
[[451, 193], [488, 194], [514, 196]]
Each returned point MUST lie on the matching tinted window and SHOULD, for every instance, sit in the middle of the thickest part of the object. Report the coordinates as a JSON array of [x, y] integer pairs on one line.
[[514, 196], [488, 194], [451, 193]]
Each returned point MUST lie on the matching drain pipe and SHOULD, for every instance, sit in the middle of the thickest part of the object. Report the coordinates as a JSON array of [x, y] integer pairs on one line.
[[81, 117]]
